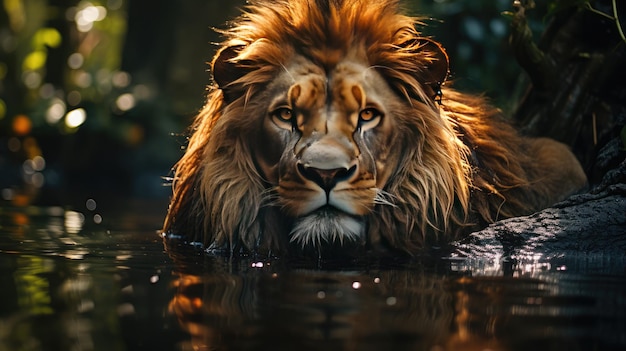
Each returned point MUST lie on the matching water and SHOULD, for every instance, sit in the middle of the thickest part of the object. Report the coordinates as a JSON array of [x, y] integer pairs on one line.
[[100, 278]]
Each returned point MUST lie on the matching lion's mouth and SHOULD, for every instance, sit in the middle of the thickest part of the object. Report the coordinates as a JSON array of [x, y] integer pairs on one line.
[[328, 210], [327, 224]]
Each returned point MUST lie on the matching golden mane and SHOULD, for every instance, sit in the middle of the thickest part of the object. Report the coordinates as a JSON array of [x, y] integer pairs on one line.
[[462, 164]]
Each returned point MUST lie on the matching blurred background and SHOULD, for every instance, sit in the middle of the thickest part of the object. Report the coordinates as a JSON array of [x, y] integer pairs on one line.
[[96, 96]]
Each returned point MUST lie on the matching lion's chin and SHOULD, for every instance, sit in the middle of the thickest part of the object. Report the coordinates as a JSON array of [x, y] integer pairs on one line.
[[327, 225]]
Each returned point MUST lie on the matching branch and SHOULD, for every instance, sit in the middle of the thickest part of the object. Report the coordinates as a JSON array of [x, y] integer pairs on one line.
[[534, 61]]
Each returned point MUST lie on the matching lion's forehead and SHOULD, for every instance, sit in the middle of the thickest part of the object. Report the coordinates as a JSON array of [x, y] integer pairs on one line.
[[345, 88]]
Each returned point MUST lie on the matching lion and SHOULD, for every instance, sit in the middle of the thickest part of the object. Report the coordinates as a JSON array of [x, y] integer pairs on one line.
[[329, 125]]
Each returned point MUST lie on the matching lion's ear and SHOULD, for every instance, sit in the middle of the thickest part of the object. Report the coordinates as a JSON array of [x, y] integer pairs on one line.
[[225, 70], [436, 68]]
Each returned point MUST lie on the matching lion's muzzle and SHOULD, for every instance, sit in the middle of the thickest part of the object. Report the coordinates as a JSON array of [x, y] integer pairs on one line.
[[330, 200], [326, 178]]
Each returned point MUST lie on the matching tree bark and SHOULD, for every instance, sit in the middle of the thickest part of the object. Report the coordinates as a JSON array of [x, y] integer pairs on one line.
[[577, 80]]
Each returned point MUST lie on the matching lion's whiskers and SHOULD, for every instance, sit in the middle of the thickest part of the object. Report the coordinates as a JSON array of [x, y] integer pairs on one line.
[[288, 73], [384, 198], [269, 197]]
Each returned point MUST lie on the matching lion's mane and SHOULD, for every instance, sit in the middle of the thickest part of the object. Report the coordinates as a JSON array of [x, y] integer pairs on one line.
[[462, 165]]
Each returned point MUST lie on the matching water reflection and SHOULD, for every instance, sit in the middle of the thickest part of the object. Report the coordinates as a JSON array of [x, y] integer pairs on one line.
[[268, 308], [71, 284], [244, 306]]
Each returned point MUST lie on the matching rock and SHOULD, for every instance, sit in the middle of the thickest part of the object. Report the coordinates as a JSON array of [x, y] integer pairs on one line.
[[586, 226]]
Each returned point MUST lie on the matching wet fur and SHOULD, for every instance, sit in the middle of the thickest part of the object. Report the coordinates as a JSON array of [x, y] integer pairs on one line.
[[461, 165]]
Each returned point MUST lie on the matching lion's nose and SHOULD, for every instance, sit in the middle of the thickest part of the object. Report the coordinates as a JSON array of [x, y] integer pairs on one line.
[[326, 178]]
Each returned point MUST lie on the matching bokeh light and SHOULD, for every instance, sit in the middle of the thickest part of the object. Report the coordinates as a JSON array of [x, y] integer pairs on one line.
[[47, 37], [55, 111], [75, 61], [75, 118], [91, 204], [120, 79], [74, 97], [21, 125], [47, 91], [82, 79], [87, 15], [34, 61], [39, 163], [125, 102], [32, 79], [66, 64], [97, 218], [74, 221], [7, 194], [135, 134]]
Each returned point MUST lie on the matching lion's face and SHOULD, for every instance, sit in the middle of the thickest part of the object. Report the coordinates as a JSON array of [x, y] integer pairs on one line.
[[321, 127], [327, 144]]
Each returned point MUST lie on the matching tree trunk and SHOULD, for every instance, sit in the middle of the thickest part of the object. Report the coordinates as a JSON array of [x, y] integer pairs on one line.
[[577, 84]]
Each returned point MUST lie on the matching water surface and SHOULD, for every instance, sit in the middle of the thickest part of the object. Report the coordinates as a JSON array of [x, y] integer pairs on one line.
[[100, 278]]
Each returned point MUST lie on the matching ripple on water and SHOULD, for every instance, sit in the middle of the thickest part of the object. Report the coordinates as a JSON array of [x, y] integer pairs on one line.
[[70, 281]]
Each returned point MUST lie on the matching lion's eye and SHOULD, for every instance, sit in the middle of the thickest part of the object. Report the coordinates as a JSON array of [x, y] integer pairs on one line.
[[284, 114], [369, 115], [283, 117]]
